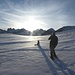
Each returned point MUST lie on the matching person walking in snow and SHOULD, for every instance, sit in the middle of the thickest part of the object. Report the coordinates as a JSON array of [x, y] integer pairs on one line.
[[53, 43]]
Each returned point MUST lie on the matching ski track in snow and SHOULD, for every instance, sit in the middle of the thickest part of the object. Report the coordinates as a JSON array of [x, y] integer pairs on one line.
[[20, 56]]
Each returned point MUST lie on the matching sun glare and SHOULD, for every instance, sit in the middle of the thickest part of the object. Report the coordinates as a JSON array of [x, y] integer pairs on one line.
[[30, 23]]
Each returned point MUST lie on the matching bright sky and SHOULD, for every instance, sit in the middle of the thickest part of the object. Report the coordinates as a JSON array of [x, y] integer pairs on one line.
[[34, 14]]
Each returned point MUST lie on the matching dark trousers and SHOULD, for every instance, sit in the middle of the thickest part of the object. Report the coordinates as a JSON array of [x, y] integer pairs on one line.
[[52, 52]]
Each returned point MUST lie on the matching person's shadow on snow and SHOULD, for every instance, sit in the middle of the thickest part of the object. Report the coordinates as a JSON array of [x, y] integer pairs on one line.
[[50, 65], [62, 66]]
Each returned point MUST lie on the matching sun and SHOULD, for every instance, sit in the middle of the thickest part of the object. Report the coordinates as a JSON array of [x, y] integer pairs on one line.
[[30, 23]]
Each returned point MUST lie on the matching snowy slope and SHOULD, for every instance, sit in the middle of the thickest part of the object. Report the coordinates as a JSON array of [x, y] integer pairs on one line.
[[20, 56]]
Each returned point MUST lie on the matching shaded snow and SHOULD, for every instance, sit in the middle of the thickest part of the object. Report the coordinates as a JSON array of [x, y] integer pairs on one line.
[[20, 56]]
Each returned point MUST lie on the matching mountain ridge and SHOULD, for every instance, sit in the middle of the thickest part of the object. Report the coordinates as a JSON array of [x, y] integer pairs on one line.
[[36, 32]]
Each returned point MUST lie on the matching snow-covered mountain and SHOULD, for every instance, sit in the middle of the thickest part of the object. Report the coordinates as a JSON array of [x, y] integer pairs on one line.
[[38, 32], [48, 32], [66, 28], [20, 56], [2, 31], [15, 31]]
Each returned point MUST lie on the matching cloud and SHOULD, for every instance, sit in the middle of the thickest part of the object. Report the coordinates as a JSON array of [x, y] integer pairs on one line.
[[53, 13]]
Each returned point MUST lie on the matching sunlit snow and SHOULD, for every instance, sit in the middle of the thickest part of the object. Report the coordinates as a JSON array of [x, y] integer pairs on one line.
[[20, 56]]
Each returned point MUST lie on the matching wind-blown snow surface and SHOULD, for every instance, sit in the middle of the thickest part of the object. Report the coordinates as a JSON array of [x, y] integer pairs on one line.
[[20, 56]]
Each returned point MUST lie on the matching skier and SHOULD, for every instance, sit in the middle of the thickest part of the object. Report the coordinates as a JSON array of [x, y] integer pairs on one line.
[[53, 43]]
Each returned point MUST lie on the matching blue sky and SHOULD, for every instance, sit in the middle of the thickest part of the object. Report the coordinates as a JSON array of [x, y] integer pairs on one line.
[[34, 14]]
